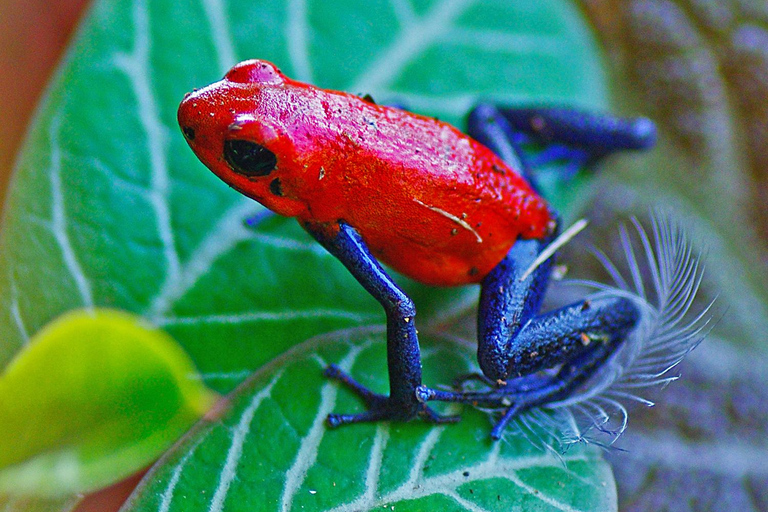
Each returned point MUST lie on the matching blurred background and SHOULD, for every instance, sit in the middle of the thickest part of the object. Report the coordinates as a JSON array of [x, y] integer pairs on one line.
[[34, 34]]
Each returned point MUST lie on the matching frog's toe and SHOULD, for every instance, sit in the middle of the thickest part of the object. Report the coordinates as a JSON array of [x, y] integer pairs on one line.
[[381, 407]]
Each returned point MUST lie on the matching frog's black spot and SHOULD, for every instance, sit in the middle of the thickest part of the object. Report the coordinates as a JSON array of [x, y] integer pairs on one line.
[[248, 158], [276, 187], [368, 98], [189, 132]]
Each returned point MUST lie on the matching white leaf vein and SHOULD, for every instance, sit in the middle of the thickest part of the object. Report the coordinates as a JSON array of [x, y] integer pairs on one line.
[[411, 40], [296, 37], [58, 224], [464, 503], [375, 461], [266, 316], [404, 13], [222, 39], [307, 453], [136, 67], [503, 42], [167, 497], [235, 452], [366, 500], [290, 245], [422, 455], [492, 467], [225, 234], [18, 319]]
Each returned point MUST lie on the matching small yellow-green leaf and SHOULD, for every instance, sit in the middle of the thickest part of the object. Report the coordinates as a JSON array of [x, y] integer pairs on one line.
[[81, 404]]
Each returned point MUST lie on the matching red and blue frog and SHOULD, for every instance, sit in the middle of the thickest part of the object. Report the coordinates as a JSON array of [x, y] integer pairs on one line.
[[376, 184]]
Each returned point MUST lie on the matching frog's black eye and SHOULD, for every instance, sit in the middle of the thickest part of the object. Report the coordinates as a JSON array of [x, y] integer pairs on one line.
[[248, 158]]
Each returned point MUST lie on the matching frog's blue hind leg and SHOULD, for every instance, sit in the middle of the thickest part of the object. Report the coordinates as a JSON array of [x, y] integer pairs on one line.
[[516, 342], [403, 355], [576, 137]]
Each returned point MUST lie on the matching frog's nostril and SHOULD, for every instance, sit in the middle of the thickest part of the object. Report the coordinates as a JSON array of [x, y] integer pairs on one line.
[[189, 132]]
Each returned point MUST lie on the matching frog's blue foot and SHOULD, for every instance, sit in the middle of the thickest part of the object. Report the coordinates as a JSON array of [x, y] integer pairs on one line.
[[380, 407], [516, 396]]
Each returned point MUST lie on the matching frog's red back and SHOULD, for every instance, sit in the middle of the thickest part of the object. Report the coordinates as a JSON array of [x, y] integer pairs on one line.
[[429, 201]]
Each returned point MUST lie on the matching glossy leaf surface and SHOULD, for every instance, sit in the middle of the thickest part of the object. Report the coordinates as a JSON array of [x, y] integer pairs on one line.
[[271, 450]]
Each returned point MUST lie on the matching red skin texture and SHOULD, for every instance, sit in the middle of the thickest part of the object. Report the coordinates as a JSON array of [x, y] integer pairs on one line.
[[428, 201]]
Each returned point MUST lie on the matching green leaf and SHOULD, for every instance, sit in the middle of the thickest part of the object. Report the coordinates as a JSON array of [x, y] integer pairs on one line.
[[94, 396], [270, 449], [109, 207]]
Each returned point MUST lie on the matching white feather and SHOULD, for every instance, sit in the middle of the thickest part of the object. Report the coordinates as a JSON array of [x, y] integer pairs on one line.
[[664, 275]]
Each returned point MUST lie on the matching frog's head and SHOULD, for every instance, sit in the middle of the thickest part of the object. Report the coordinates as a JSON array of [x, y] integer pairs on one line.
[[231, 127]]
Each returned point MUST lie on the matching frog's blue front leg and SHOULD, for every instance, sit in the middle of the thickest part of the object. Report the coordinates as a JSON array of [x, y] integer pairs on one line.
[[403, 355]]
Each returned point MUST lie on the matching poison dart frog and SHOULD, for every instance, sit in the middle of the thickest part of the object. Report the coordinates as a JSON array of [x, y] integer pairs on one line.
[[377, 184]]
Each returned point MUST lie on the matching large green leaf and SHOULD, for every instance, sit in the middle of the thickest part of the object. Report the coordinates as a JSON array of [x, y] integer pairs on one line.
[[271, 450], [110, 208]]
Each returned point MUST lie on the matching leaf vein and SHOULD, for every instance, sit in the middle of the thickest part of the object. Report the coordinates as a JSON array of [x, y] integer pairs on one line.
[[464, 503], [491, 467], [307, 453], [167, 497], [291, 245], [404, 13], [228, 232], [422, 455], [16, 312], [449, 105], [222, 39], [266, 316], [375, 463], [136, 67], [410, 41], [498, 41], [296, 38], [58, 224], [240, 433]]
